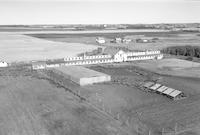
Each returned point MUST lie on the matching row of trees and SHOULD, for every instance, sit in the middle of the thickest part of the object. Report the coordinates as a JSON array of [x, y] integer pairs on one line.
[[191, 51]]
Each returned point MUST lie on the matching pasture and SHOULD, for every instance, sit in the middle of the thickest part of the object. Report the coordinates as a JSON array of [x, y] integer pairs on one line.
[[31, 105], [137, 106], [172, 66]]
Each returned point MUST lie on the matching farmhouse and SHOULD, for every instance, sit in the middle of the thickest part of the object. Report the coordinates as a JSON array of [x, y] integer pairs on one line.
[[81, 75], [3, 64], [118, 55], [116, 40], [144, 40], [100, 40], [126, 40]]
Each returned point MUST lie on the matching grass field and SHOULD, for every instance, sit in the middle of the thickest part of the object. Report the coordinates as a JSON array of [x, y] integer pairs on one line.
[[30, 104], [15, 47], [166, 39], [33, 106], [155, 111], [172, 66]]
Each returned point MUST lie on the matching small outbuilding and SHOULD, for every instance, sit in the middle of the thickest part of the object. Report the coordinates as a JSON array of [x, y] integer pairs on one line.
[[100, 40], [3, 64], [81, 75], [126, 40]]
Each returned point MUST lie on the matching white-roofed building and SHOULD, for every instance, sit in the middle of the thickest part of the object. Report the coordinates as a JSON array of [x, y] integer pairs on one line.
[[176, 94], [100, 40], [148, 84], [162, 89], [156, 86], [168, 91], [3, 64]]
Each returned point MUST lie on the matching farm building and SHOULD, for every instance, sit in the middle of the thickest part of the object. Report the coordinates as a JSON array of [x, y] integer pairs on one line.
[[3, 64], [81, 75], [116, 40], [118, 55], [163, 90], [100, 40], [144, 40], [126, 40], [39, 65]]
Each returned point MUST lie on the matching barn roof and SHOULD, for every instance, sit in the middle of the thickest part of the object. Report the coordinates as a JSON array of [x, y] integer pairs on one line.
[[79, 71], [39, 63], [111, 51], [168, 91], [154, 87], [148, 84], [162, 89], [175, 93]]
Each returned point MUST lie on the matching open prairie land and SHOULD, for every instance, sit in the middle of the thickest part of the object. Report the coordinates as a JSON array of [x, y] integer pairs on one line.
[[16, 47]]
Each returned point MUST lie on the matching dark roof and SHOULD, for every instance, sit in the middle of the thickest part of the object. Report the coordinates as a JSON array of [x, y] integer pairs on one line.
[[39, 63], [111, 51]]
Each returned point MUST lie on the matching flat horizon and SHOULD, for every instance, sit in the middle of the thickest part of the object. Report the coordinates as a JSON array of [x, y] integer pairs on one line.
[[48, 12]]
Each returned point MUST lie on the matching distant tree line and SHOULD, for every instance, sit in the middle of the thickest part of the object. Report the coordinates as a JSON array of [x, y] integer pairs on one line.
[[190, 51]]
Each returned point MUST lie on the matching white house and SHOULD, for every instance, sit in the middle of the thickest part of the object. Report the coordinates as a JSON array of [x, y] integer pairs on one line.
[[3, 64], [118, 55], [117, 40], [126, 40], [100, 40]]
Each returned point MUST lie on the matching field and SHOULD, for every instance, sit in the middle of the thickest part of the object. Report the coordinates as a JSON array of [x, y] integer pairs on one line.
[[173, 67], [154, 111], [166, 39], [31, 105], [16, 47]]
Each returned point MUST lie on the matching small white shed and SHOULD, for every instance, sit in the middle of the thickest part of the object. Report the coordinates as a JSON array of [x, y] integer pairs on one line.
[[3, 64]]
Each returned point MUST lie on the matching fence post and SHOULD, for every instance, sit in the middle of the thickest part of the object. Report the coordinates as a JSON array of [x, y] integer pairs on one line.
[[149, 132], [175, 128], [163, 131]]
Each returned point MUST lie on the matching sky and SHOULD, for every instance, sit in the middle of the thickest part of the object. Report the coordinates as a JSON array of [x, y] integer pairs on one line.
[[99, 11]]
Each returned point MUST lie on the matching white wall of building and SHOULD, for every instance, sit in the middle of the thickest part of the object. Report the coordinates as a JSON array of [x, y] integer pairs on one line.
[[120, 56]]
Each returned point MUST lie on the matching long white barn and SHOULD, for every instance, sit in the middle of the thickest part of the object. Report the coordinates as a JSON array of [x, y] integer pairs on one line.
[[114, 56]]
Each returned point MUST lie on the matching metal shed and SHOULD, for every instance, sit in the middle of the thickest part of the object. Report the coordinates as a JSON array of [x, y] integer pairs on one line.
[[168, 91], [175, 93], [148, 84], [162, 89], [81, 75], [154, 87]]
